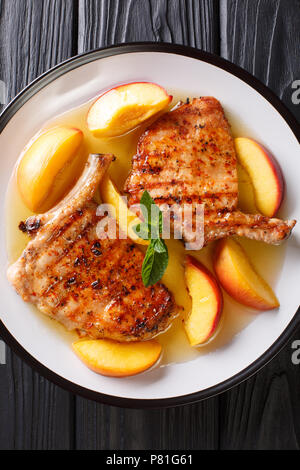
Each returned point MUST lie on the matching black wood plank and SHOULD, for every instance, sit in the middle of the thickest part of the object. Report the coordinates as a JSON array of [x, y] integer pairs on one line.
[[107, 22], [34, 414], [188, 427], [103, 23], [264, 412], [34, 35], [263, 37]]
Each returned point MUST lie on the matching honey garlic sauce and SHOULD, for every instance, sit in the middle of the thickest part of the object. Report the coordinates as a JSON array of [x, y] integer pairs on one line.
[[268, 259]]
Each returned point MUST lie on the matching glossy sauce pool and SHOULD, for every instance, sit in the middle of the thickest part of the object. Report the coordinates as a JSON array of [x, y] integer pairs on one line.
[[268, 259]]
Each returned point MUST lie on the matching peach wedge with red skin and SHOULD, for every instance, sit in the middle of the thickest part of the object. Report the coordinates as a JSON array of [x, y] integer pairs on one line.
[[265, 174], [124, 216], [246, 202], [239, 278], [207, 302], [123, 108], [46, 169], [114, 359]]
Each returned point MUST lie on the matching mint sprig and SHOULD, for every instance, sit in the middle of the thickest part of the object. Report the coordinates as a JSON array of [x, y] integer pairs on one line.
[[157, 257]]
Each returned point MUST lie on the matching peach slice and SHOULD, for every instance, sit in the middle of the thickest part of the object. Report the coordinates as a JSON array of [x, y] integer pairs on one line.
[[46, 169], [125, 218], [207, 302], [123, 108], [108, 357], [265, 174], [246, 192], [239, 278]]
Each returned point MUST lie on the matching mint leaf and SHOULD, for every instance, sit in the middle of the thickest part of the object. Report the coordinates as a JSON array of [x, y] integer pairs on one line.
[[146, 203], [157, 257], [142, 231], [154, 221], [160, 222], [152, 215], [160, 246], [148, 265], [155, 264]]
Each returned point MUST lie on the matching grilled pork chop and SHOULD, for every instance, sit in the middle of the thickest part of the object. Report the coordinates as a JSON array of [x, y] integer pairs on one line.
[[188, 157], [89, 284]]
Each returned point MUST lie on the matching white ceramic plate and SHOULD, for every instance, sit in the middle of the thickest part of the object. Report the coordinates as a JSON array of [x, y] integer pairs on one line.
[[260, 115]]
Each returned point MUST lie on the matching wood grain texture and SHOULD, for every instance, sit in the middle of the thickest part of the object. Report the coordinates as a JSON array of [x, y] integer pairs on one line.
[[190, 22], [189, 427], [263, 37], [264, 412], [34, 36], [34, 413]]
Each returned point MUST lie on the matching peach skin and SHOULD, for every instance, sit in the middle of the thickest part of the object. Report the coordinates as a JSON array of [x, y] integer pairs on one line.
[[239, 278], [207, 302], [114, 359], [123, 108]]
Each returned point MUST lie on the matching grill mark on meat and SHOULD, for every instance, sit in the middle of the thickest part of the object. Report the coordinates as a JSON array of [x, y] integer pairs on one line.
[[91, 285], [188, 156]]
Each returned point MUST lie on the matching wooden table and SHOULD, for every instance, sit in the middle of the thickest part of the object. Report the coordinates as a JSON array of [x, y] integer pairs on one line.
[[263, 36]]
